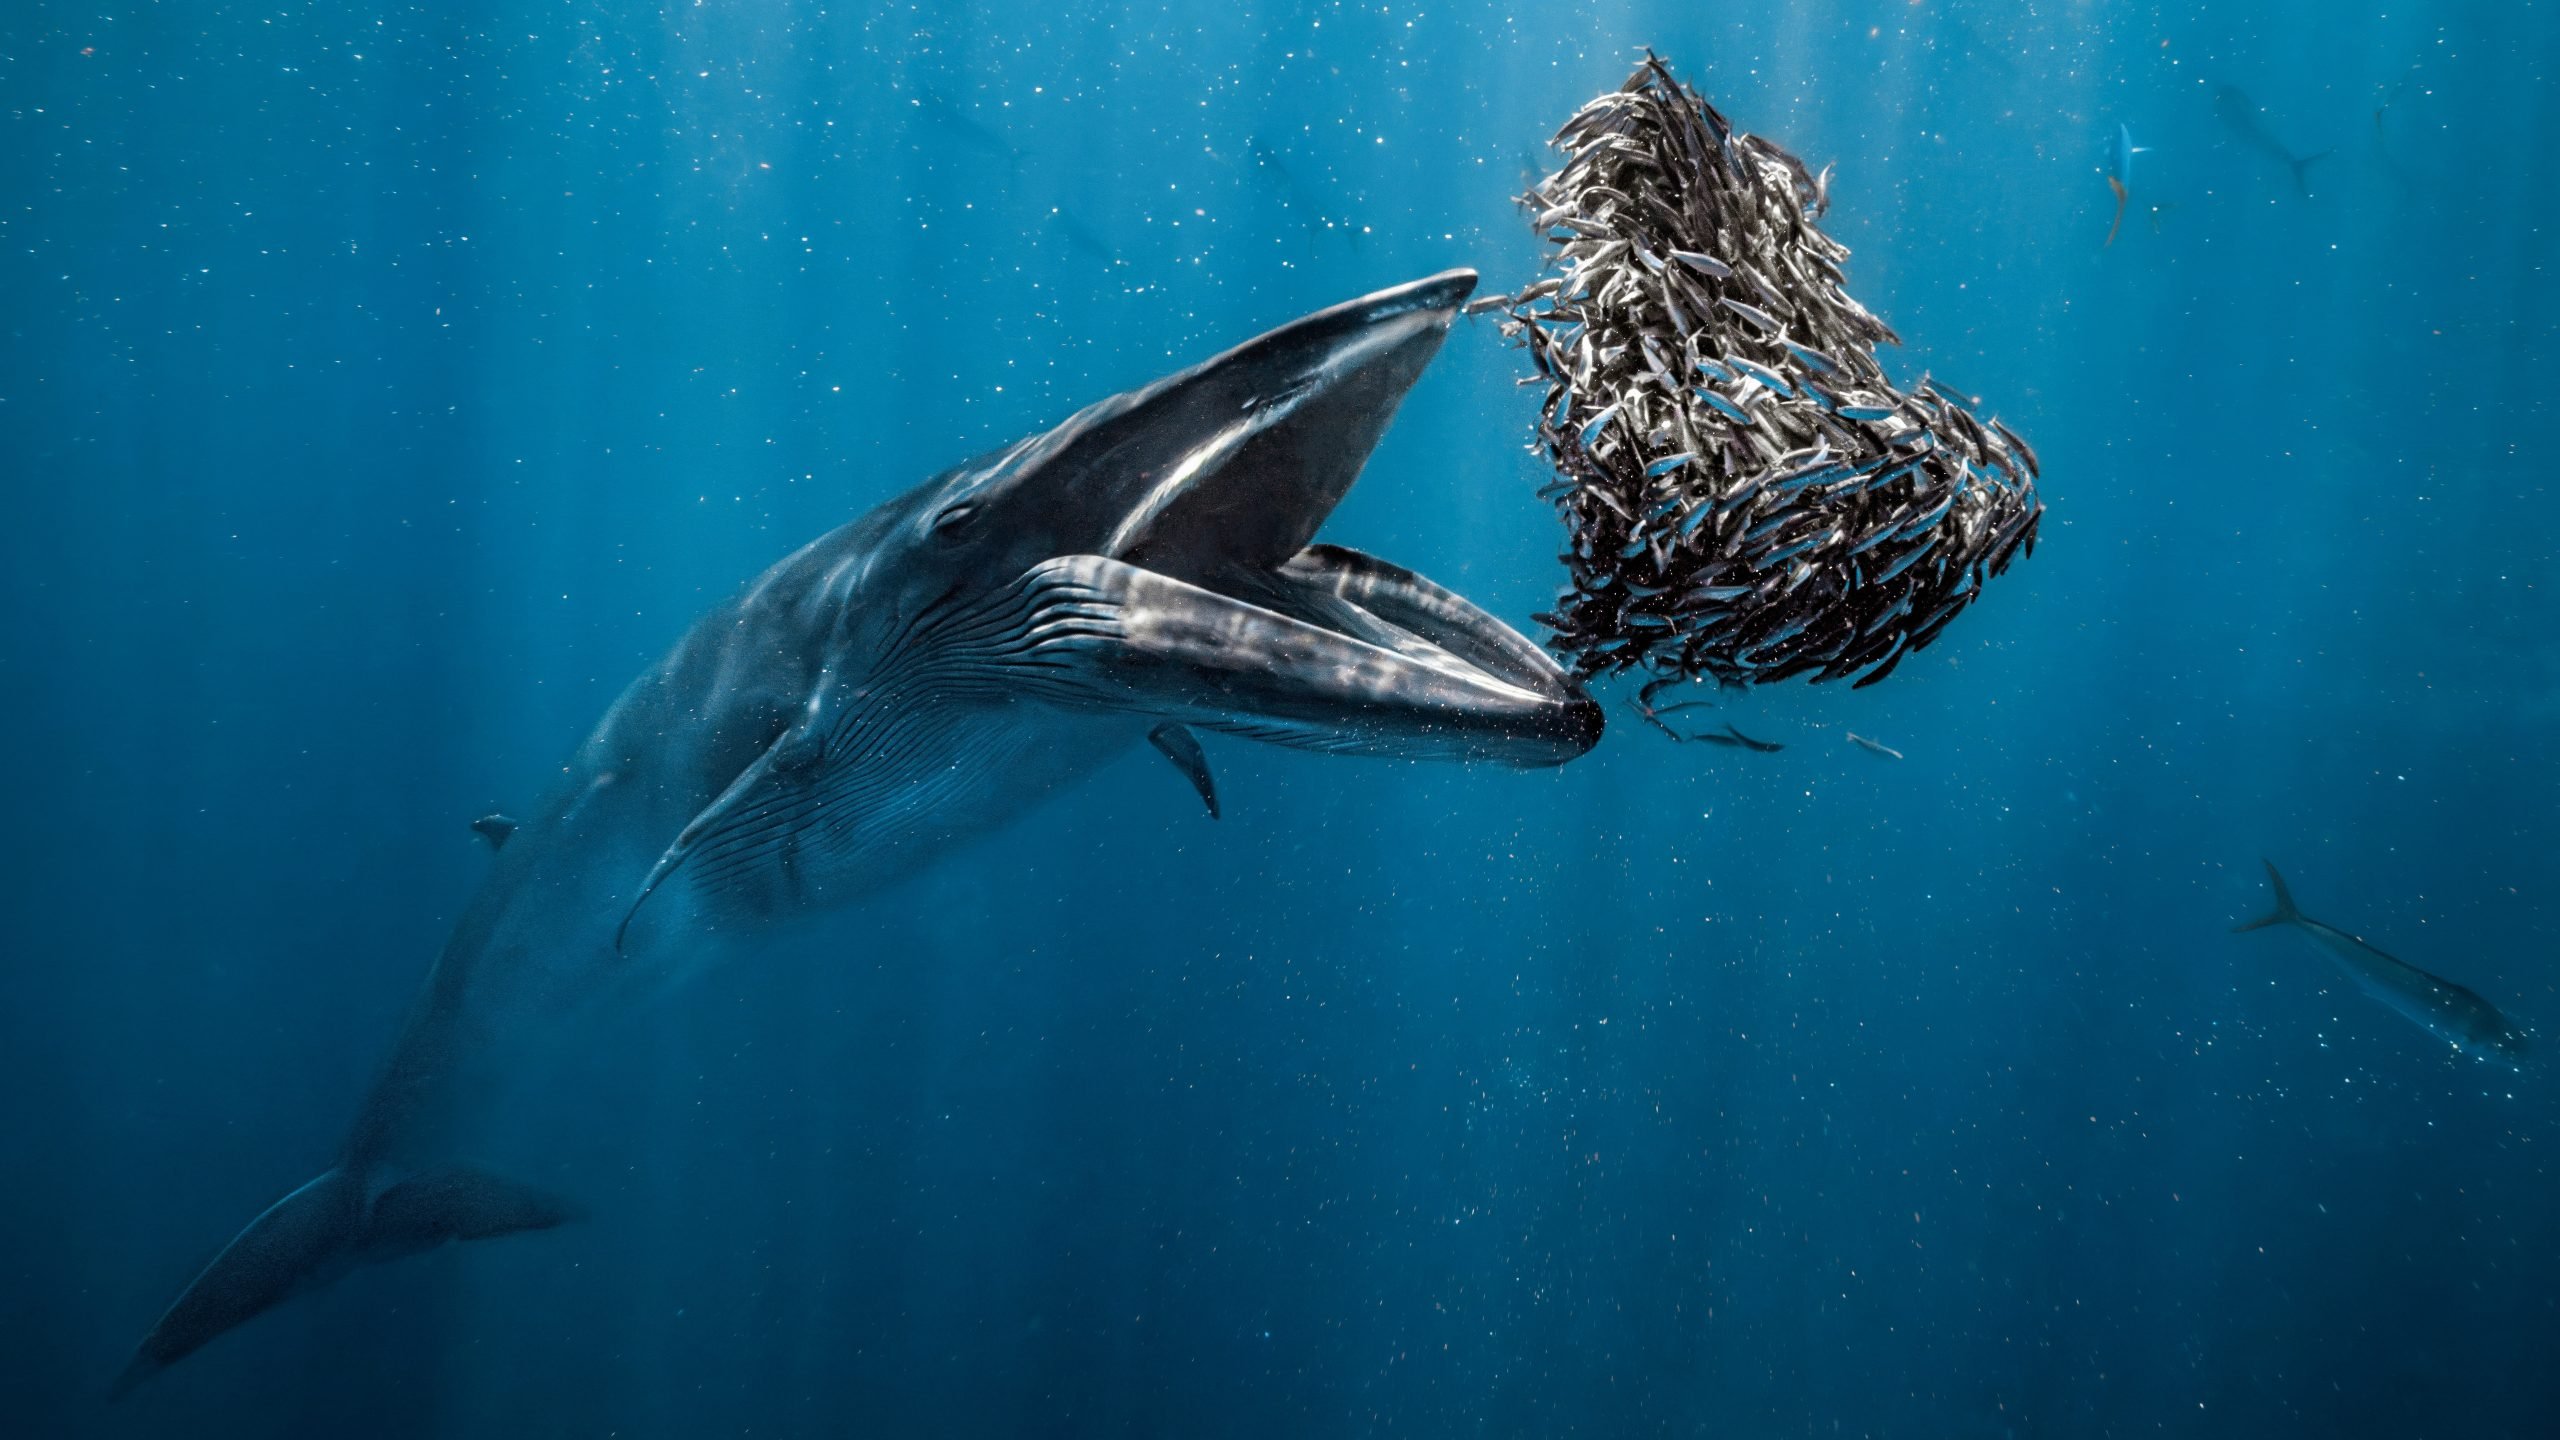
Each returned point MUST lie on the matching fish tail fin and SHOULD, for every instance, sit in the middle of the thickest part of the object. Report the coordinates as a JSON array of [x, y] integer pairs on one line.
[[2284, 913], [319, 1232], [2302, 169], [2117, 186]]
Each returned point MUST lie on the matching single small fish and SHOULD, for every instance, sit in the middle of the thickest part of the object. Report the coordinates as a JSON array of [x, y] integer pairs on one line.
[[1730, 410], [1732, 736], [1806, 479], [1892, 657], [1592, 427], [1863, 546], [1874, 746], [1668, 463], [1907, 561], [1762, 318], [1798, 548], [1653, 356], [2120, 174], [1810, 356], [1659, 684], [1929, 517], [1704, 264], [1762, 373], [2019, 446]]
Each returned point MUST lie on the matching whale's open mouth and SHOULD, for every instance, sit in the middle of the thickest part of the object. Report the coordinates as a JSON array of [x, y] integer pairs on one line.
[[1154, 556], [1203, 597]]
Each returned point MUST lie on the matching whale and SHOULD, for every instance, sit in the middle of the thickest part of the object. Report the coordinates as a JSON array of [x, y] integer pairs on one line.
[[1136, 576]]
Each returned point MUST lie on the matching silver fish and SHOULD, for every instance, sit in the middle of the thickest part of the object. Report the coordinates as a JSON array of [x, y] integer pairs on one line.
[[1704, 264], [1761, 318], [1874, 746]]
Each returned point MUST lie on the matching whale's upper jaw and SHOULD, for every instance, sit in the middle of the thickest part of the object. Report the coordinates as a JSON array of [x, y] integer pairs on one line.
[[1231, 464], [1281, 427]]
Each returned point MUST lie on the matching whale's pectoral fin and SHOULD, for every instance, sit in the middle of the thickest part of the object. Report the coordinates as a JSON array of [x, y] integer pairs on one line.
[[1113, 635], [457, 1203], [754, 818], [1180, 746], [496, 829]]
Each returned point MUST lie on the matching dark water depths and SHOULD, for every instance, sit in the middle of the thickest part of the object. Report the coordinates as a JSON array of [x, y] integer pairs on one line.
[[383, 388]]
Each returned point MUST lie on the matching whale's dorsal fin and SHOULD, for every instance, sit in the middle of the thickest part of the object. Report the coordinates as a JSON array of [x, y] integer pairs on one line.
[[1182, 747], [495, 829]]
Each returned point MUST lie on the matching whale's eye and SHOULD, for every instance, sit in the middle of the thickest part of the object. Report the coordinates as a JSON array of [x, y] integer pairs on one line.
[[954, 520]]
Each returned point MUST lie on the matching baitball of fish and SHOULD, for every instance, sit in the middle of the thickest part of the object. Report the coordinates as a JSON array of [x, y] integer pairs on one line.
[[1748, 497]]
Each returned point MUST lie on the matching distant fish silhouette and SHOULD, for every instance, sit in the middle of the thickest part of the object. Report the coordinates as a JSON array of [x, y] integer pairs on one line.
[[2120, 175], [973, 133], [1735, 737], [2245, 119], [2450, 1012], [2382, 155], [1081, 236]]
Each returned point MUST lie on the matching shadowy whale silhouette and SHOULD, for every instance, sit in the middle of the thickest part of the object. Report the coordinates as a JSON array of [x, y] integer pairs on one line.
[[925, 673]]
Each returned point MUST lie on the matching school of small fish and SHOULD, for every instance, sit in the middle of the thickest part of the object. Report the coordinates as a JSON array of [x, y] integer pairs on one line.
[[1748, 497]]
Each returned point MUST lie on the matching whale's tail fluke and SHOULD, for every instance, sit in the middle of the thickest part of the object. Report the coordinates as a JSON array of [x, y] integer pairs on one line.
[[2284, 914], [2301, 165], [326, 1228]]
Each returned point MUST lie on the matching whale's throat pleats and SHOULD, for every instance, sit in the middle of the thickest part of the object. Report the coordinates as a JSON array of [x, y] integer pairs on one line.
[[932, 742]]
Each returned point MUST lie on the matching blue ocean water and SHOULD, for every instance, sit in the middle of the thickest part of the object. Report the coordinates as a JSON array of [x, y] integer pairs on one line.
[[385, 387]]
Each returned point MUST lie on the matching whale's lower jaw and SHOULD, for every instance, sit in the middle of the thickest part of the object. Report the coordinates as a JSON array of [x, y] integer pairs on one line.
[[996, 704], [1298, 664]]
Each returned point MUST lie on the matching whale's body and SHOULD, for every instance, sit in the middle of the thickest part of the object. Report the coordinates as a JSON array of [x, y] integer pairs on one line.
[[926, 672]]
